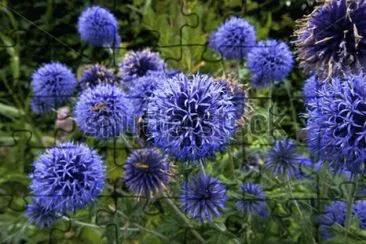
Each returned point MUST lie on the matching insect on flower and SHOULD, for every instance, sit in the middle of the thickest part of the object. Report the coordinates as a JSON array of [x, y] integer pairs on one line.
[[99, 106]]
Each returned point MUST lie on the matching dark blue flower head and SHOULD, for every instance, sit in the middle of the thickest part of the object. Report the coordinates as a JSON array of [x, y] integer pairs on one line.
[[146, 171], [103, 112], [52, 86], [189, 117], [138, 64], [99, 27], [237, 96], [336, 128], [285, 160], [233, 39], [310, 91], [252, 201], [359, 209], [333, 214], [203, 197], [331, 40], [67, 177], [270, 61], [39, 215], [95, 75]]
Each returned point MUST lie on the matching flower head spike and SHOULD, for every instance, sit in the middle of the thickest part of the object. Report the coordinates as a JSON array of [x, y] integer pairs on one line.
[[95, 75], [203, 197], [331, 40], [103, 112], [52, 86], [270, 61], [138, 64], [252, 201], [233, 39], [189, 118], [67, 177], [284, 159], [99, 27], [333, 214], [146, 171], [336, 128], [359, 209], [39, 215]]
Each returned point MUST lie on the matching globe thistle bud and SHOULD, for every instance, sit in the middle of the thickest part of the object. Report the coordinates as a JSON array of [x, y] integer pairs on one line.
[[252, 201], [95, 75], [331, 40], [310, 91], [39, 215], [146, 171], [233, 39], [269, 62], [203, 197], [67, 177], [359, 210], [98, 26], [335, 213], [52, 86]]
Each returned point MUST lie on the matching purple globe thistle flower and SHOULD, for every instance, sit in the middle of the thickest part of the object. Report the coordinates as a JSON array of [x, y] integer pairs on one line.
[[333, 214], [189, 118], [310, 91], [52, 86], [138, 64], [103, 112], [233, 39], [203, 197], [146, 171], [67, 177], [336, 128], [252, 201], [269, 62], [95, 75], [39, 215], [99, 27], [331, 40], [284, 159], [359, 210]]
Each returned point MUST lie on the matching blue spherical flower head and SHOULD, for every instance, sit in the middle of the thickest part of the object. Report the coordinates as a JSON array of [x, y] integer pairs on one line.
[[138, 64], [269, 62], [146, 171], [95, 75], [188, 117], [284, 159], [52, 86], [310, 91], [233, 39], [67, 177], [252, 201], [39, 215], [331, 40], [99, 27], [203, 197], [103, 112], [359, 210], [333, 214], [336, 128]]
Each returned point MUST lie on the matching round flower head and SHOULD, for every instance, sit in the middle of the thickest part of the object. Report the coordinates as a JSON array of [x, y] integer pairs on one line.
[[359, 209], [52, 85], [103, 112], [99, 27], [39, 215], [233, 39], [189, 118], [333, 214], [146, 171], [67, 177], [252, 201], [284, 159], [336, 128], [203, 197], [310, 91], [269, 62], [331, 40], [138, 64], [95, 75]]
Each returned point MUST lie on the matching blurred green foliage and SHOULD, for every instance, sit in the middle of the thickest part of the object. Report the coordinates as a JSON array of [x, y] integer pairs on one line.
[[34, 32]]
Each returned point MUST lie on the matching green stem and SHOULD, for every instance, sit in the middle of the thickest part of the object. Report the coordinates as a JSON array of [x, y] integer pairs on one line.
[[350, 204], [293, 109]]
